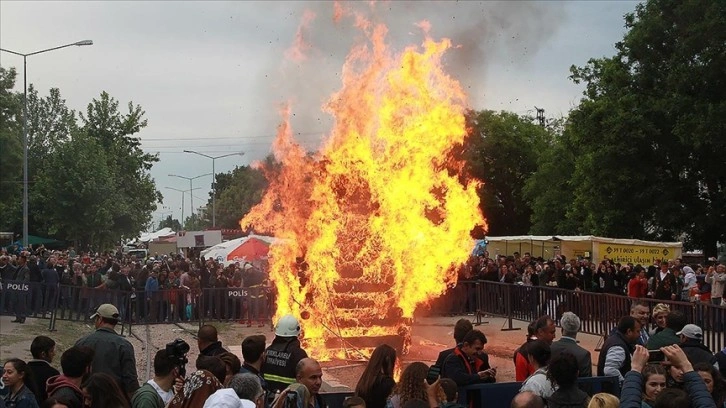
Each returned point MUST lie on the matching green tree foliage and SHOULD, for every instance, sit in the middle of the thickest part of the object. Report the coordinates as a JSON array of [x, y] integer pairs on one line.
[[50, 123], [648, 137], [503, 151], [11, 153], [237, 192]]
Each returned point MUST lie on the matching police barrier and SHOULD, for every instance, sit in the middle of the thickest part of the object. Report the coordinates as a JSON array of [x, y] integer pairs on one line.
[[497, 395], [598, 312]]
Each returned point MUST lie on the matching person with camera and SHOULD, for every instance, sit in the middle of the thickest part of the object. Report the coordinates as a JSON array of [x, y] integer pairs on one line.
[[283, 355], [158, 391], [113, 354]]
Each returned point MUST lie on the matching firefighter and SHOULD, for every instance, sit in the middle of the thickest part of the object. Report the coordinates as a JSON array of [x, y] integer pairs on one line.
[[283, 354]]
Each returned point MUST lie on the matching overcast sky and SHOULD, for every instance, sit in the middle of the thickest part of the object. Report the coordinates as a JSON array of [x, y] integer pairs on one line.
[[211, 75]]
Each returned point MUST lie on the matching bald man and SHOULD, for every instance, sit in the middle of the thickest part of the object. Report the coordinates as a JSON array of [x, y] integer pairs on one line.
[[527, 399], [208, 343], [309, 373]]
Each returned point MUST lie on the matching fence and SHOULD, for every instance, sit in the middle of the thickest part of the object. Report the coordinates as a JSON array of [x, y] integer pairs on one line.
[[598, 312], [76, 303]]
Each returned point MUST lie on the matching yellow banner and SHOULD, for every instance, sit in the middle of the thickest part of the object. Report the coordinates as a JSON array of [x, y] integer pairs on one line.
[[635, 254]]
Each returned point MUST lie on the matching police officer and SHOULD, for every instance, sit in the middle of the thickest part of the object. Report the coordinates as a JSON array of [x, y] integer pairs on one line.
[[283, 354]]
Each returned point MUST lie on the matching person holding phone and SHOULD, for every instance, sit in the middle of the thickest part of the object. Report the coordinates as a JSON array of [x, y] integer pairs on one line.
[[468, 364]]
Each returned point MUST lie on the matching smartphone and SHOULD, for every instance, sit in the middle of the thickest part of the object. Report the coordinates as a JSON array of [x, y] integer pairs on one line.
[[655, 356], [433, 374]]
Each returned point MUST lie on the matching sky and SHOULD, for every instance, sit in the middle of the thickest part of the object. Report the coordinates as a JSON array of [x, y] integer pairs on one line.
[[212, 76]]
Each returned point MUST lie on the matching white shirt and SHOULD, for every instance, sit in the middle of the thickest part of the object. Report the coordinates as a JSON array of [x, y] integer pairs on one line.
[[539, 384], [166, 396]]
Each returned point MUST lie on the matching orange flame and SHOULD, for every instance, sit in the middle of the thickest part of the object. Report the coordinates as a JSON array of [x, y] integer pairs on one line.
[[375, 223]]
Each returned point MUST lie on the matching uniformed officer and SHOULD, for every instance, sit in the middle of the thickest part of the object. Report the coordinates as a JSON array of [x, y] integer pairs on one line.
[[283, 354]]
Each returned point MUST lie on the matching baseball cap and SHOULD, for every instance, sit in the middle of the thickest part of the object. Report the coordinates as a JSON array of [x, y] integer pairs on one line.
[[691, 331], [107, 311]]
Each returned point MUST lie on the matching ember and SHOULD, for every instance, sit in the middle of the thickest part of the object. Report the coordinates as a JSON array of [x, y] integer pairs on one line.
[[375, 223]]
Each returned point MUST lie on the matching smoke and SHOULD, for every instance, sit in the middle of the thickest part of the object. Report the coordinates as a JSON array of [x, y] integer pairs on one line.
[[483, 33]]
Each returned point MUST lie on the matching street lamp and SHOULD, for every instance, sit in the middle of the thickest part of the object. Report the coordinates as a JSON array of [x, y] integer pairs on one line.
[[191, 199], [25, 126], [182, 203], [214, 180]]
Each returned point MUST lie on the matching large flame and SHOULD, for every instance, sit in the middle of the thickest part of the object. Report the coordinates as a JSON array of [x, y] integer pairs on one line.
[[376, 222]]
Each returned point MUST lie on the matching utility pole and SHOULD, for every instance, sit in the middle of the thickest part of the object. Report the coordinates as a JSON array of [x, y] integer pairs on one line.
[[540, 116]]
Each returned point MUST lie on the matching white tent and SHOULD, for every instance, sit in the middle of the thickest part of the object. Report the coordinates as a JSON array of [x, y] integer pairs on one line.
[[220, 251], [150, 236]]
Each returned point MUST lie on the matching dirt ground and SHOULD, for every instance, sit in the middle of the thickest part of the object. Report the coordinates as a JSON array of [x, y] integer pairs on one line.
[[430, 335]]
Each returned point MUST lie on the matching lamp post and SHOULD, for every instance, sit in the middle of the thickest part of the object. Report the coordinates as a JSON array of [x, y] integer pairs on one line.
[[182, 203], [214, 180], [25, 125], [191, 200]]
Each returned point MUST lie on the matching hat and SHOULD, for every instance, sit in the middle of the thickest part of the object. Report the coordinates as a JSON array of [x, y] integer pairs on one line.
[[107, 311], [691, 331]]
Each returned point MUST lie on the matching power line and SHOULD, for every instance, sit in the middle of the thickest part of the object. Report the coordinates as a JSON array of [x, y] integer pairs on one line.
[[227, 137]]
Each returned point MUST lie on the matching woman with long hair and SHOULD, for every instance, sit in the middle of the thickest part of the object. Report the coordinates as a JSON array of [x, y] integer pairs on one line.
[[101, 390], [18, 379], [714, 382], [654, 381], [411, 386], [376, 383]]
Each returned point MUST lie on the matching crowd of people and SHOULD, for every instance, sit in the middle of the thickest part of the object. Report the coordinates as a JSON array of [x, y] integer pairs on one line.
[[663, 280], [164, 288], [662, 366]]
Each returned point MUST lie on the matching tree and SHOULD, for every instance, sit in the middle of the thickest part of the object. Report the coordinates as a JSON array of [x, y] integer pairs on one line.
[[126, 160], [168, 222], [11, 153], [50, 123], [238, 191], [502, 151], [649, 130]]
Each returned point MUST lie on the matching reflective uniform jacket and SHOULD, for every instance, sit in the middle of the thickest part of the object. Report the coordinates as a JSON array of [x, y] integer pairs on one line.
[[282, 357]]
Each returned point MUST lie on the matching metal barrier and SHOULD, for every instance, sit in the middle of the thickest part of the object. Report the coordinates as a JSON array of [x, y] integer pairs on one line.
[[77, 303], [598, 312], [501, 394]]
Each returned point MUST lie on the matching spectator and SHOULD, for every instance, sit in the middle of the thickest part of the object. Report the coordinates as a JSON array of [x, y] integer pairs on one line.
[[538, 353], [243, 391], [639, 311], [22, 276], [208, 343], [18, 379], [660, 312], [376, 383], [615, 353], [112, 353], [697, 397], [451, 391], [527, 399], [232, 364], [214, 365], [462, 327], [692, 345], [76, 364], [43, 350], [715, 383], [354, 402], [101, 390], [253, 350], [717, 279], [50, 278], [654, 381], [562, 372], [522, 369], [674, 323], [544, 329], [309, 373], [197, 388], [665, 285], [604, 400], [689, 282], [55, 403], [467, 364], [158, 391], [638, 286], [570, 324], [410, 386], [721, 361]]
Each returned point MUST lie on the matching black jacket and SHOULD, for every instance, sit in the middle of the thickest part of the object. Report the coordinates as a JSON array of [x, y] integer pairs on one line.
[[213, 349], [616, 340], [571, 397], [463, 370], [282, 357], [697, 352]]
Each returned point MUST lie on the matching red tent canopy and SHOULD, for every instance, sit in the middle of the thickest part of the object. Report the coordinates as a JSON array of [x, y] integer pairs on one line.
[[251, 250]]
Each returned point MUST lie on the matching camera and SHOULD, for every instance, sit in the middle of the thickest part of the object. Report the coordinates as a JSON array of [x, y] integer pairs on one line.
[[177, 351]]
